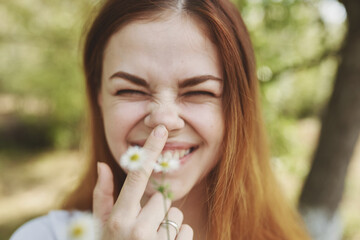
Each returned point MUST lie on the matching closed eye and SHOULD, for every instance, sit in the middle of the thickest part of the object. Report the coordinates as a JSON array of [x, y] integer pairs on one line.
[[130, 92], [199, 93]]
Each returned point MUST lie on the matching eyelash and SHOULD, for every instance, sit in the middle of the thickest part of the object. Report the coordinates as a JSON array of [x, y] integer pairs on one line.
[[196, 93], [188, 94], [130, 91]]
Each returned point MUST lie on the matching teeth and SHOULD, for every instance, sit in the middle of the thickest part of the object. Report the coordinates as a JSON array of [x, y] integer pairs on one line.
[[168, 154], [182, 153], [177, 154]]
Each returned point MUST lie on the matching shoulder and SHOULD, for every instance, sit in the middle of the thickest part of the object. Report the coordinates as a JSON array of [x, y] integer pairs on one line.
[[52, 226]]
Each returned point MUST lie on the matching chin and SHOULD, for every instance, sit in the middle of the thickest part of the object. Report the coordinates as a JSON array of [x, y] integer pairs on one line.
[[178, 192]]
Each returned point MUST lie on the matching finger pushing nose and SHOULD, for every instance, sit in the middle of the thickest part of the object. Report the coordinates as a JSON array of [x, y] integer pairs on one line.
[[166, 114]]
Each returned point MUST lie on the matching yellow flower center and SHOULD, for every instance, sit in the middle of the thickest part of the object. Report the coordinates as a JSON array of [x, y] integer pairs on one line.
[[164, 164], [134, 157], [77, 231]]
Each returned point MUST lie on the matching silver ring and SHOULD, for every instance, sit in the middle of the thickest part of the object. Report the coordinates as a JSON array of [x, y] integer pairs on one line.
[[171, 223]]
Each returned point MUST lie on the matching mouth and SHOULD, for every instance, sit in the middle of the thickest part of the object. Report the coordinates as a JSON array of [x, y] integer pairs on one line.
[[175, 150], [179, 154]]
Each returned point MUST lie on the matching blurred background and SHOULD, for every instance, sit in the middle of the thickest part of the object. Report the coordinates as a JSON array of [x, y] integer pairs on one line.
[[297, 45]]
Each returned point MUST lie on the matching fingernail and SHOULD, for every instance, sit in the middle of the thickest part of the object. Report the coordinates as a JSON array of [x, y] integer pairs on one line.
[[160, 131]]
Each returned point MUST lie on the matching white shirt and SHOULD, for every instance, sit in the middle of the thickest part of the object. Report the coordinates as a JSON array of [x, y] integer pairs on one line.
[[53, 226]]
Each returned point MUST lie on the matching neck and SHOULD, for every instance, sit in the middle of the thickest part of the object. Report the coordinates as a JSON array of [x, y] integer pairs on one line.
[[194, 208]]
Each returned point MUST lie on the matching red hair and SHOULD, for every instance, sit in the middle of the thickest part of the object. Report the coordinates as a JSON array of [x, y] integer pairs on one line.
[[244, 200]]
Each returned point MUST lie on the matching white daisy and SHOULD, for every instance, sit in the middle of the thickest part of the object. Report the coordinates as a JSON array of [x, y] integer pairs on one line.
[[167, 162], [133, 158], [84, 227]]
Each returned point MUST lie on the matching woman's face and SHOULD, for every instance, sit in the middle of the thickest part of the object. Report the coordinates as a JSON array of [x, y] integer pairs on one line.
[[165, 72]]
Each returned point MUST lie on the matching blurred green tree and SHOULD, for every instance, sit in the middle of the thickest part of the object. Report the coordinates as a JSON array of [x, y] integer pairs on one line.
[[40, 75], [324, 186], [296, 42]]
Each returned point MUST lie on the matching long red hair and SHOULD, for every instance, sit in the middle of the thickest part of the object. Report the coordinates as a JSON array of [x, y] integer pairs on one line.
[[243, 196]]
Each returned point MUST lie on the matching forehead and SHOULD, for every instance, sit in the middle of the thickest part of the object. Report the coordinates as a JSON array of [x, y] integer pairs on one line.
[[165, 47]]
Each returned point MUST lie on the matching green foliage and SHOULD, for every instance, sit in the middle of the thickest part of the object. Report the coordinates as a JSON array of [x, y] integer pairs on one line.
[[296, 51], [42, 89], [41, 60], [40, 68]]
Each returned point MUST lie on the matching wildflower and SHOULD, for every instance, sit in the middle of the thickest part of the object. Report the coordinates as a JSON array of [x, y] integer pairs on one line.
[[84, 227], [133, 158], [167, 162]]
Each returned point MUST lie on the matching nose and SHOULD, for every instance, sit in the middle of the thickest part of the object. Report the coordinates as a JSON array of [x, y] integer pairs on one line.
[[166, 114]]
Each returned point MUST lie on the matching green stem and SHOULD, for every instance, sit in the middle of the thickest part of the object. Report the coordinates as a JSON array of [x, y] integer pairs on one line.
[[165, 207]]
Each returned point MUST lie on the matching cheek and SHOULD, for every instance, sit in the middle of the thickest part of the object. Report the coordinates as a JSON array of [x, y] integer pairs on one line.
[[119, 120], [207, 120]]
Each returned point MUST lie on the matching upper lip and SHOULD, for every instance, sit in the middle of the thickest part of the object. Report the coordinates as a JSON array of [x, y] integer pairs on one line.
[[169, 145]]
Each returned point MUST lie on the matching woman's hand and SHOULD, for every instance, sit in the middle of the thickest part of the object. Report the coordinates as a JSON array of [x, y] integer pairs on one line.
[[126, 219]]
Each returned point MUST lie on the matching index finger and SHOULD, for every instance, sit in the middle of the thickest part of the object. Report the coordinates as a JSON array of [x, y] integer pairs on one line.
[[136, 181]]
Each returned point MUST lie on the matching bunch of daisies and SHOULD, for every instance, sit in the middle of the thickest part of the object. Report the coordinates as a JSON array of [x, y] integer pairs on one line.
[[86, 227]]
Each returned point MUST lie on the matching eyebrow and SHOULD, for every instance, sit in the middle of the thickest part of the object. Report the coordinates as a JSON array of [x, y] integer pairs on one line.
[[188, 82], [129, 77]]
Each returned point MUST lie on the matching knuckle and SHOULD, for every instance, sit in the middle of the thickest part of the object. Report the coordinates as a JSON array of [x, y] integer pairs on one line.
[[137, 176], [115, 225], [139, 234]]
